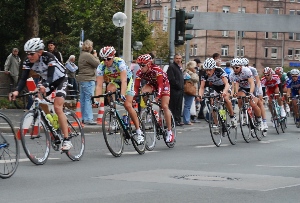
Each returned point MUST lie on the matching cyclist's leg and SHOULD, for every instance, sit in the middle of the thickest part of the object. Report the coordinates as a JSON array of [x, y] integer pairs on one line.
[[280, 103]]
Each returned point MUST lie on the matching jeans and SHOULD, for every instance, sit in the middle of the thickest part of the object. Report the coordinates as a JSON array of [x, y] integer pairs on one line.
[[73, 90], [87, 90], [188, 100], [30, 99]]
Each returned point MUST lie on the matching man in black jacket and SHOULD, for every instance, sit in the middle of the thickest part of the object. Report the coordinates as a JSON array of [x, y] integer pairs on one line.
[[52, 49], [175, 77]]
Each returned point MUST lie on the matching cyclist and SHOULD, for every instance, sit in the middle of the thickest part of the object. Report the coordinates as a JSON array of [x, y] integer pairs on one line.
[[120, 78], [157, 80], [54, 77], [283, 78], [273, 84], [293, 89], [257, 92], [219, 81], [244, 85]]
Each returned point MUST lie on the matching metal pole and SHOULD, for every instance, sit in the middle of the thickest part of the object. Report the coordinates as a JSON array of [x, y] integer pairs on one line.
[[172, 31], [187, 51], [240, 37], [119, 42], [127, 32]]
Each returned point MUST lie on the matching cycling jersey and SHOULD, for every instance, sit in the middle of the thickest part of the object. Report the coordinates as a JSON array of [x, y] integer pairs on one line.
[[156, 78], [270, 85], [284, 78], [254, 73], [216, 78], [242, 78], [48, 67], [294, 86]]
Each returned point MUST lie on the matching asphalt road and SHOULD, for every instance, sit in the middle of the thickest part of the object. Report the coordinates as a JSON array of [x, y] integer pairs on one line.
[[194, 171]]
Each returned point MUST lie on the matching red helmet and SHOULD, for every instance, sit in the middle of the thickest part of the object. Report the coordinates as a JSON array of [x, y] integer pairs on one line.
[[144, 59], [279, 70], [108, 51], [268, 70]]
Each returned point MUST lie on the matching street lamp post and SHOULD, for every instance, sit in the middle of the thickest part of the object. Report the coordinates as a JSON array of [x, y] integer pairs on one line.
[[119, 20], [137, 45]]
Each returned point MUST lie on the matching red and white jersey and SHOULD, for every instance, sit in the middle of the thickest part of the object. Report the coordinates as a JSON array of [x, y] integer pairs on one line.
[[275, 80]]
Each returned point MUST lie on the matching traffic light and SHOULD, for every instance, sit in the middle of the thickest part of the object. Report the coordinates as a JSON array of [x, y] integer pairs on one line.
[[181, 26]]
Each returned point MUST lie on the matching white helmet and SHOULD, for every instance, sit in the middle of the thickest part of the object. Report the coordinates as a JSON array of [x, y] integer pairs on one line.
[[209, 63], [33, 45], [244, 61], [108, 51], [294, 72], [236, 62]]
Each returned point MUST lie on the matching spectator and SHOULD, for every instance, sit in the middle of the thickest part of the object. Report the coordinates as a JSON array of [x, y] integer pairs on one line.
[[12, 64], [175, 77], [217, 58], [189, 74], [52, 49], [202, 103], [71, 72], [228, 69], [87, 64], [198, 103]]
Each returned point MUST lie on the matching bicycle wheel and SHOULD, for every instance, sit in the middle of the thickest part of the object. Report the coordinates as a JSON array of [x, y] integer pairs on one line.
[[9, 148], [275, 118], [231, 130], [76, 136], [35, 137], [140, 148], [215, 129], [150, 129], [173, 128], [245, 125], [283, 124], [113, 133]]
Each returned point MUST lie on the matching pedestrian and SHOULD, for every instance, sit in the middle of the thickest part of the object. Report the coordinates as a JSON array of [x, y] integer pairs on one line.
[[176, 80], [217, 58], [189, 75], [87, 64], [71, 72], [52, 49], [12, 65], [197, 100]]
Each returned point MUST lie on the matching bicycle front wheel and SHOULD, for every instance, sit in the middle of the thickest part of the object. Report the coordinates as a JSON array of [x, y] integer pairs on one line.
[[275, 118], [35, 137], [9, 148], [113, 133], [76, 136], [173, 128], [150, 129], [245, 125], [215, 128], [140, 148], [231, 130]]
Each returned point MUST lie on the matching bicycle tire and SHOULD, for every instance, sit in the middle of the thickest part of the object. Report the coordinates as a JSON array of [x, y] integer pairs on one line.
[[76, 136], [173, 128], [216, 137], [9, 148], [232, 130], [283, 124], [150, 129], [36, 147], [245, 125], [140, 148], [113, 133], [275, 118]]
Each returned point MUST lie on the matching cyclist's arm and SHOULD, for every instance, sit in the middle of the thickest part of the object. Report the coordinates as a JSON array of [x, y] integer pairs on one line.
[[236, 87], [22, 81], [252, 85], [99, 80], [50, 74], [123, 76], [288, 93], [257, 81], [226, 83], [202, 87]]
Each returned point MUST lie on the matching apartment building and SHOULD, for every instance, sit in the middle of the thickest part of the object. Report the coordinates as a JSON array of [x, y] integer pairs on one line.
[[261, 48]]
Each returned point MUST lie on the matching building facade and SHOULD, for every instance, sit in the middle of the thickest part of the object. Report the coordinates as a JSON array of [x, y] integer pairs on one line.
[[261, 48]]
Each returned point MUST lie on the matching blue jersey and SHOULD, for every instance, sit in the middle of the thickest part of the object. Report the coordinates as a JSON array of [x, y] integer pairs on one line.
[[294, 86]]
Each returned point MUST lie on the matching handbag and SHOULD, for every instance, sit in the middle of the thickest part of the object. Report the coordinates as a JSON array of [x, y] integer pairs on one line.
[[189, 88]]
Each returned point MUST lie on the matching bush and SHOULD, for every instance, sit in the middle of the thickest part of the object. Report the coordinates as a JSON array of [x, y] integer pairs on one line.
[[6, 104]]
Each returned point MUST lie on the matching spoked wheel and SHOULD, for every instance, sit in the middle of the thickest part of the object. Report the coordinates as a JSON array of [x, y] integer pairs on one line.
[[35, 137], [254, 132], [140, 148], [173, 128], [112, 133], [275, 119], [232, 131], [245, 125], [9, 148], [76, 136], [150, 129], [283, 124], [215, 129]]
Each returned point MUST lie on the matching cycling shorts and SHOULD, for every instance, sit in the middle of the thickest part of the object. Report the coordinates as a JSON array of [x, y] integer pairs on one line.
[[60, 86], [130, 86], [165, 91]]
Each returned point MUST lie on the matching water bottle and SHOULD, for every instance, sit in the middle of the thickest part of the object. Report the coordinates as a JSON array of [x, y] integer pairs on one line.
[[156, 116], [222, 113], [125, 119]]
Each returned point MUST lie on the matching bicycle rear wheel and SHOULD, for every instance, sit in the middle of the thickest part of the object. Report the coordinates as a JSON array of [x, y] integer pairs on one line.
[[76, 136], [150, 129], [9, 148], [113, 133], [275, 118], [245, 125], [215, 129], [283, 124], [173, 128], [35, 138], [140, 148]]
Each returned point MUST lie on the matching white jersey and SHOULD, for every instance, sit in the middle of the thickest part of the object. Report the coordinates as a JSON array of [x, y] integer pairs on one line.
[[242, 77]]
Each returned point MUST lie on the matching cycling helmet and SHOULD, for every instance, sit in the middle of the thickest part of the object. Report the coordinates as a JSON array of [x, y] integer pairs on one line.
[[244, 61], [294, 72], [144, 59], [268, 70], [209, 63], [108, 51], [236, 62], [34, 45], [279, 70]]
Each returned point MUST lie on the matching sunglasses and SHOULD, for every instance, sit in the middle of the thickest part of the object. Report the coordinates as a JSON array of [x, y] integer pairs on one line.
[[107, 59], [294, 75], [266, 74], [237, 67], [142, 65], [31, 53]]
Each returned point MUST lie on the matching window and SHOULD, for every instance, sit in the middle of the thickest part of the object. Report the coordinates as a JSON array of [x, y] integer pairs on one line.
[[274, 53], [224, 50], [276, 11], [157, 15], [240, 52], [267, 35], [153, 14], [291, 35], [196, 8], [243, 10], [225, 33], [266, 52], [292, 0], [297, 54], [195, 49], [292, 12], [267, 11], [274, 35], [241, 34], [297, 36], [226, 9], [290, 54], [193, 8]]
